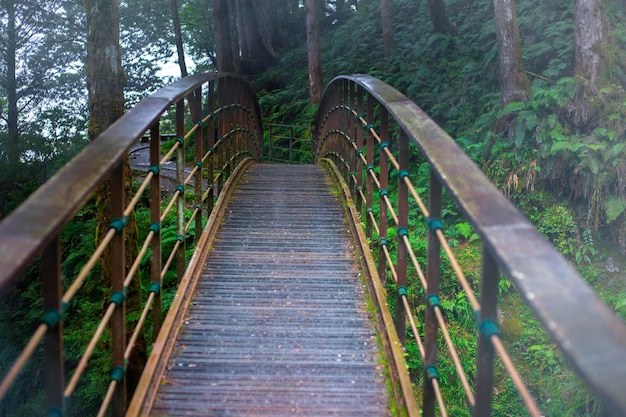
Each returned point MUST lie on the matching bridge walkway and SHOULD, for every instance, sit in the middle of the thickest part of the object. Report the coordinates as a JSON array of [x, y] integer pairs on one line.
[[278, 323]]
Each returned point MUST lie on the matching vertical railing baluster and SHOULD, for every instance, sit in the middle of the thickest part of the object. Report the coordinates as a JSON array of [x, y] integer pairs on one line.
[[487, 317], [53, 312], [118, 272], [180, 179], [290, 143], [402, 230], [155, 219], [221, 125], [433, 275], [199, 138], [384, 185], [211, 131], [369, 183], [358, 162]]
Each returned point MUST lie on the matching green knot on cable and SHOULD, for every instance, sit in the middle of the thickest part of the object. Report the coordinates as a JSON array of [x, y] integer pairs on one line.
[[434, 224], [119, 224], [359, 152], [402, 231], [370, 167], [180, 140], [382, 241], [352, 140], [488, 328], [352, 173], [198, 164], [383, 145], [369, 126], [180, 188], [370, 210], [402, 291], [403, 174], [180, 238], [210, 115], [359, 115], [200, 123], [359, 188], [52, 317], [155, 169], [433, 301], [54, 412], [155, 228], [118, 373], [383, 193], [431, 372], [155, 287], [118, 297], [211, 149]]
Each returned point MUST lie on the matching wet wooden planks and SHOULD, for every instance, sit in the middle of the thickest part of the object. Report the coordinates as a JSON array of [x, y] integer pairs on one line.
[[278, 324]]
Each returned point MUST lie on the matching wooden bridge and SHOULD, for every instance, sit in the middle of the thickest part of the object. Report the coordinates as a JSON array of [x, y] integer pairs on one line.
[[284, 307]]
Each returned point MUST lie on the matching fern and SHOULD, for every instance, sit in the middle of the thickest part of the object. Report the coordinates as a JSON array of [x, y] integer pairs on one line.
[[615, 206]]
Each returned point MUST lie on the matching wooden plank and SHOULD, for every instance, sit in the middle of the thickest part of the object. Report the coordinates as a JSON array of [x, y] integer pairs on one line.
[[278, 324]]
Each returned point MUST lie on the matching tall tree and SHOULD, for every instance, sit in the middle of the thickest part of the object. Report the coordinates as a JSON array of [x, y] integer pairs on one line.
[[514, 84], [439, 16], [105, 84], [37, 46], [314, 51], [255, 55], [223, 37], [387, 28], [178, 36], [591, 32]]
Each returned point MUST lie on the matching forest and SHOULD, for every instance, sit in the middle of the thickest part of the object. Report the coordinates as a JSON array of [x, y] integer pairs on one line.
[[532, 90]]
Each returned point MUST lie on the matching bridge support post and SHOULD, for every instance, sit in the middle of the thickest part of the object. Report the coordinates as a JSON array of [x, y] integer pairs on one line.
[[53, 344], [403, 230], [155, 219], [382, 207], [433, 275], [180, 178], [118, 274], [369, 183], [199, 139], [485, 354]]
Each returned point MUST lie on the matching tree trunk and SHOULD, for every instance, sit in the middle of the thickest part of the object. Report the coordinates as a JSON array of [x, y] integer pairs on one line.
[[385, 18], [223, 38], [314, 52], [179, 38], [105, 82], [439, 17], [254, 52], [514, 84], [13, 145], [591, 29]]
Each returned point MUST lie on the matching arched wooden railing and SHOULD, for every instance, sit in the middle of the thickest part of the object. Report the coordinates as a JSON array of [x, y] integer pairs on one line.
[[366, 129], [226, 131]]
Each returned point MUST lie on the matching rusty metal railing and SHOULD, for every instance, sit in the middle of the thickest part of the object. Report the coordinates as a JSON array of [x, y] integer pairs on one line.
[[288, 143], [226, 131], [359, 122]]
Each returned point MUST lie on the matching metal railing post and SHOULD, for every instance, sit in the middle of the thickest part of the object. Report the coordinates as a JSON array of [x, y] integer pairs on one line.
[[433, 276], [155, 219], [211, 132], [402, 230], [382, 207], [118, 273], [180, 179], [369, 156], [199, 138], [485, 353], [53, 312]]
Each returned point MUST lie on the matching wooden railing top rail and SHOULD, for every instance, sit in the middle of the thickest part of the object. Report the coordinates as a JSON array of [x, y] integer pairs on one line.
[[585, 329], [27, 230]]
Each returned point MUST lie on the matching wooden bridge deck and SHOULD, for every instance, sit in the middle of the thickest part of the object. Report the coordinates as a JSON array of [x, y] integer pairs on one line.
[[278, 324]]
